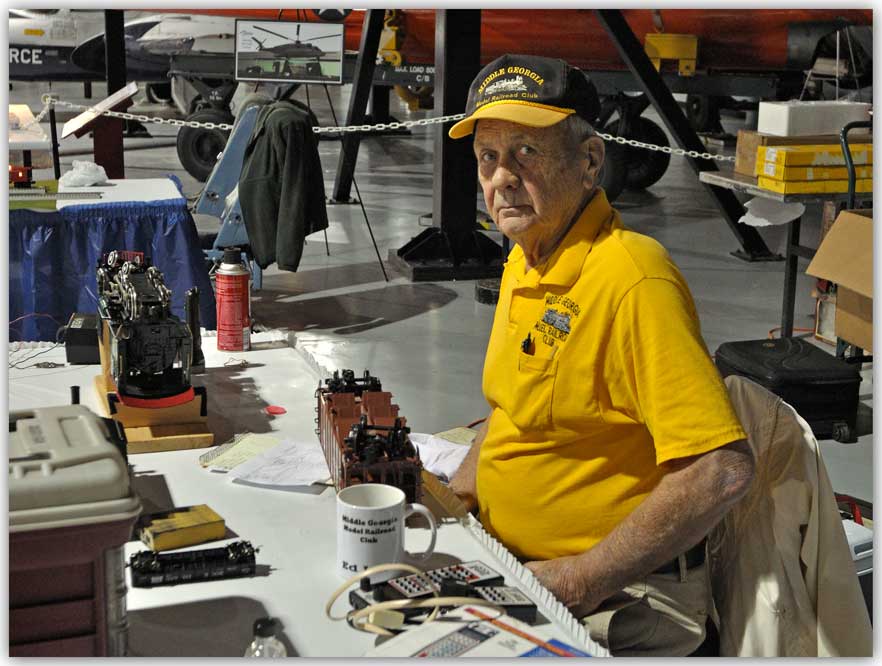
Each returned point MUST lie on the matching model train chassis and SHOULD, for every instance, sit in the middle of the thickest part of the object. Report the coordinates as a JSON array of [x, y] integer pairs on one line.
[[363, 437]]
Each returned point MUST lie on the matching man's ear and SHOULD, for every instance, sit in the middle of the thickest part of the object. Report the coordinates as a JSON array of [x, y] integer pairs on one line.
[[594, 149]]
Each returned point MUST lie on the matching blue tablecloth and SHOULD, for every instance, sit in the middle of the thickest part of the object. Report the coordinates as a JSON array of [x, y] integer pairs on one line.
[[53, 256]]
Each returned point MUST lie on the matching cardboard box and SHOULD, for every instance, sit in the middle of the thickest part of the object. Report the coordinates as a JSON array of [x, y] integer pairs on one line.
[[750, 140], [813, 155], [846, 257], [813, 186], [781, 172], [798, 118]]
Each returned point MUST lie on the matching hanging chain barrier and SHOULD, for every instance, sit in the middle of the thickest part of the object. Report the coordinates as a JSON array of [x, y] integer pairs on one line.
[[49, 100]]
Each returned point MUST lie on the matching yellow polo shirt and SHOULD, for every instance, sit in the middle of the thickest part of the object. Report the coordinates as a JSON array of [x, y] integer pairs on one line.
[[613, 380]]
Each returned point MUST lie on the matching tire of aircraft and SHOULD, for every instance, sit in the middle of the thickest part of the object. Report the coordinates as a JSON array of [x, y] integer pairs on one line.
[[614, 170], [644, 167], [198, 148], [703, 113]]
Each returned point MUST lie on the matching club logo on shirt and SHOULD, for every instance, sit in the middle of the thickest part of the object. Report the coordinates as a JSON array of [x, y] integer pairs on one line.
[[556, 321]]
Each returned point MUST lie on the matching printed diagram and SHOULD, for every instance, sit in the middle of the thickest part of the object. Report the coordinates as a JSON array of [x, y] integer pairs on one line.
[[289, 52]]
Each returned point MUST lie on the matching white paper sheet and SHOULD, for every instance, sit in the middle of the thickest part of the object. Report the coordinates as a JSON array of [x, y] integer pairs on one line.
[[440, 456], [762, 212], [290, 463]]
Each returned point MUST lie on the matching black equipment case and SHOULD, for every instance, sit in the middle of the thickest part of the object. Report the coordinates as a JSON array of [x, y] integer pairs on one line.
[[820, 387]]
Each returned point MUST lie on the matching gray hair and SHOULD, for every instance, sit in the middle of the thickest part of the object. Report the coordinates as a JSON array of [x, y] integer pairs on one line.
[[575, 130]]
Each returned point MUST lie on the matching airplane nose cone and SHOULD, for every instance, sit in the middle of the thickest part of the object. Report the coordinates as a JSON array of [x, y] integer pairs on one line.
[[90, 54]]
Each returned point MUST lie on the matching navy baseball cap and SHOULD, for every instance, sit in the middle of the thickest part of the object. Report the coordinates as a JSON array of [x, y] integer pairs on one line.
[[528, 90]]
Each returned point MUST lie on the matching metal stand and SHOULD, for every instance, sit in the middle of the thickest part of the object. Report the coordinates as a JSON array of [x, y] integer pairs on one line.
[[455, 248], [791, 264], [107, 136], [56, 160], [361, 88], [360, 203], [753, 246]]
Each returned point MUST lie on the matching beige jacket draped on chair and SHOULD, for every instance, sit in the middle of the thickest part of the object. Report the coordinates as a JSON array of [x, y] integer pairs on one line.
[[783, 578]]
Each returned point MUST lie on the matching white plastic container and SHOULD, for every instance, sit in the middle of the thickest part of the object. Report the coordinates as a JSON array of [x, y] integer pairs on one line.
[[860, 541], [795, 118], [71, 510]]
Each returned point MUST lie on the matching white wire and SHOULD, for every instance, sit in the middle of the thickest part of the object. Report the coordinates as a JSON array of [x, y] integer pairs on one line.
[[435, 602]]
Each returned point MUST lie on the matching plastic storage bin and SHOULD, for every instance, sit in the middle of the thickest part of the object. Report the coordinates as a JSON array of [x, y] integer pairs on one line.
[[820, 387], [70, 512]]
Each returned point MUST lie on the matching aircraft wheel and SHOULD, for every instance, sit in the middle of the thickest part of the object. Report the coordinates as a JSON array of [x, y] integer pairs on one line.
[[613, 170], [643, 167], [198, 148], [703, 112]]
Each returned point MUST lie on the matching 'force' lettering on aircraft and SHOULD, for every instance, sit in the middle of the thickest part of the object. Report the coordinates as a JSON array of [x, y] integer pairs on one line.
[[19, 56]]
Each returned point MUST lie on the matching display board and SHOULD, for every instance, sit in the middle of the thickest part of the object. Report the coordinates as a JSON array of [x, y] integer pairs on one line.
[[118, 101], [289, 52]]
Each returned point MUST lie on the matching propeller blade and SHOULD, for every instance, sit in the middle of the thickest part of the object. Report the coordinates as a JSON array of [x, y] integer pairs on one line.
[[285, 37]]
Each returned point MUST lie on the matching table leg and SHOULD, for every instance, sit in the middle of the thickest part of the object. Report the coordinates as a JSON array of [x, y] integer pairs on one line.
[[790, 266], [56, 160]]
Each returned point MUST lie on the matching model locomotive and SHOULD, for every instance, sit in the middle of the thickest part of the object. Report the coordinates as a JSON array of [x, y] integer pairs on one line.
[[151, 350], [363, 437]]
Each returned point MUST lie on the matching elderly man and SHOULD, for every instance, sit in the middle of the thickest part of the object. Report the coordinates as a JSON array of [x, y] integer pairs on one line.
[[611, 448]]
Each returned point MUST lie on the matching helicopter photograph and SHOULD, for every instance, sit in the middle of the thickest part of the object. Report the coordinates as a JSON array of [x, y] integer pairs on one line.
[[290, 52]]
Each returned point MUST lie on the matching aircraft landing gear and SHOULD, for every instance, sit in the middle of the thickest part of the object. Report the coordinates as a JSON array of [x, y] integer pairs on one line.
[[198, 148], [627, 166]]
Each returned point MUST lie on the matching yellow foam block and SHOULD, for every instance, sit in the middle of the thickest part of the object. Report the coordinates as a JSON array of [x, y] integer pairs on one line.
[[182, 527], [817, 155], [813, 186], [780, 172]]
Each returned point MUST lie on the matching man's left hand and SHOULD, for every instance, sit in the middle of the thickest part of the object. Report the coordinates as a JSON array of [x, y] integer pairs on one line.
[[562, 576]]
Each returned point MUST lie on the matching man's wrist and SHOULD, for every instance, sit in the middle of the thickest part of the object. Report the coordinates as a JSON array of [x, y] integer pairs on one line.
[[591, 577]]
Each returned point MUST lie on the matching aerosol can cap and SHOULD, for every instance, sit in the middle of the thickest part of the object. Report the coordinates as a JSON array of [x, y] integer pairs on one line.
[[232, 255]]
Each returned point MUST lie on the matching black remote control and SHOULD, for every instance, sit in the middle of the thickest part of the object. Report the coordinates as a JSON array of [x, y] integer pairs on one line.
[[233, 561], [473, 579]]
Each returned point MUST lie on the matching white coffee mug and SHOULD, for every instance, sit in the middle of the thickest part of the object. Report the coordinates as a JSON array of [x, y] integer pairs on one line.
[[370, 528]]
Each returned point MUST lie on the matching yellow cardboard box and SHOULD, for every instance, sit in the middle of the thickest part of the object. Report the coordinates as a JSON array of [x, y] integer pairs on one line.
[[808, 155], [780, 172], [749, 140], [813, 186]]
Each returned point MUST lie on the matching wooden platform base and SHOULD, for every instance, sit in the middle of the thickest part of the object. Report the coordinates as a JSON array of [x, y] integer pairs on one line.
[[153, 430]]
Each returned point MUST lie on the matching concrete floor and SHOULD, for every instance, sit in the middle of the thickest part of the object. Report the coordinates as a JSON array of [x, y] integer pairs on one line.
[[426, 341]]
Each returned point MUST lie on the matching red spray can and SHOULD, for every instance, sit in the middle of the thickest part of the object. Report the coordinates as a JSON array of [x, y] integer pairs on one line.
[[233, 297]]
